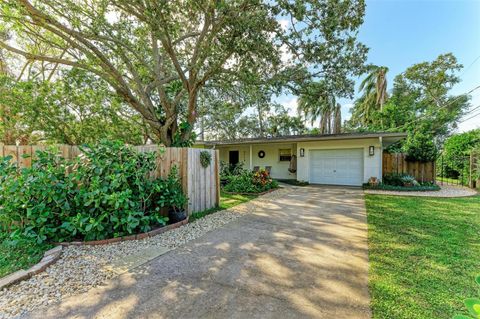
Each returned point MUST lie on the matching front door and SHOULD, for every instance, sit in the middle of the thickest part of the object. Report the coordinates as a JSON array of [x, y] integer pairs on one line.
[[233, 158]]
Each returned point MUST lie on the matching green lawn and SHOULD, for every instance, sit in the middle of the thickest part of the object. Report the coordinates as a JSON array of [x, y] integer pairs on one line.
[[424, 255], [19, 254], [226, 201], [452, 181]]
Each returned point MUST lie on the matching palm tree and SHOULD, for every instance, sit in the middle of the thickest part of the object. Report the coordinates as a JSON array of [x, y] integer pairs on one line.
[[374, 88], [317, 103], [337, 119]]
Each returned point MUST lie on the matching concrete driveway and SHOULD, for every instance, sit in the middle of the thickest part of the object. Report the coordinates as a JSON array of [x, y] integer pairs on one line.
[[303, 255]]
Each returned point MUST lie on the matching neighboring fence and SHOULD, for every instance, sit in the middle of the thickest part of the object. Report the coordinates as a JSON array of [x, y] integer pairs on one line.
[[474, 166], [396, 163], [201, 185], [454, 170]]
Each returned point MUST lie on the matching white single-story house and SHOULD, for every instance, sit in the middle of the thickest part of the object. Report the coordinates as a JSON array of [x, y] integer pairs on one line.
[[334, 159]]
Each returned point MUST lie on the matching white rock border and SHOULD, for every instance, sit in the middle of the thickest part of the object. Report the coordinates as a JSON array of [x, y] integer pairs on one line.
[[49, 257]]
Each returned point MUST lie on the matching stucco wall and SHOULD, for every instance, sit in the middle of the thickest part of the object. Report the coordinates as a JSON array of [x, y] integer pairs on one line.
[[279, 169], [372, 164]]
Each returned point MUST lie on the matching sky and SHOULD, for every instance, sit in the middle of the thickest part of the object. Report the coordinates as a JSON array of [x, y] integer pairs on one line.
[[401, 33]]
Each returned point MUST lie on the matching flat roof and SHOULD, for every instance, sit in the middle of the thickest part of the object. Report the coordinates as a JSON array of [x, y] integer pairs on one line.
[[307, 137]]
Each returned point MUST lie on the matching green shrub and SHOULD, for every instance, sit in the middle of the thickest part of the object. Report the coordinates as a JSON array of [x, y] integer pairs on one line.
[[35, 200], [106, 193], [250, 182], [472, 305], [420, 147], [394, 179], [227, 169], [416, 188]]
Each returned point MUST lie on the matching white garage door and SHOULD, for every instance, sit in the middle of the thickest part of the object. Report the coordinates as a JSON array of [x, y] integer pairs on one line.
[[337, 167]]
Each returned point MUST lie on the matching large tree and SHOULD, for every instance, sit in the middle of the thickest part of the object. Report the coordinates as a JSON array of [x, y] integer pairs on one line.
[[157, 55], [373, 98], [421, 100], [316, 102]]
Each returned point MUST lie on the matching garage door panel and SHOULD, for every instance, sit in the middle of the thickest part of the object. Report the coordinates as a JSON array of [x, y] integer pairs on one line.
[[336, 167]]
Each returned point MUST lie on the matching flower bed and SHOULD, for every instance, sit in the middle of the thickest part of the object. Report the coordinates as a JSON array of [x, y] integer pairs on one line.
[[419, 188], [400, 182], [249, 183]]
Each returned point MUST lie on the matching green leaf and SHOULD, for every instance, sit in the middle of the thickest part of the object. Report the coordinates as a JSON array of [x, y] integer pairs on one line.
[[473, 306]]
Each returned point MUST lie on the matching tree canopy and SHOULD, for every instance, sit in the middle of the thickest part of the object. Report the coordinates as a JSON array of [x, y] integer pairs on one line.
[[157, 56]]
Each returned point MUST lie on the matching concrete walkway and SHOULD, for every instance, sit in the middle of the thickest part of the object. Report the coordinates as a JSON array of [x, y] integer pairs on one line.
[[302, 256]]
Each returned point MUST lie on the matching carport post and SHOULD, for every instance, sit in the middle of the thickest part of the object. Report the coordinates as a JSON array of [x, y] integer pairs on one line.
[[251, 158]]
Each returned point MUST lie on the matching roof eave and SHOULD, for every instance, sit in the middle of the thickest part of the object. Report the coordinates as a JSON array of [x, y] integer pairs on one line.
[[308, 138]]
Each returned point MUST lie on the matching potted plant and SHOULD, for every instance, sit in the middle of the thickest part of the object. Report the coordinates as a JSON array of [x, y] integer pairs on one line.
[[177, 211], [176, 199], [373, 181], [409, 181]]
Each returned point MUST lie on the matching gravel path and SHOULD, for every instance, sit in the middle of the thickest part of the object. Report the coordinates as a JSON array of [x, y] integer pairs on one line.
[[445, 191], [81, 268]]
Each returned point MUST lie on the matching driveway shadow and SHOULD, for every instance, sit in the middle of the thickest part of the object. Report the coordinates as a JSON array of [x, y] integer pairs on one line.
[[303, 255]]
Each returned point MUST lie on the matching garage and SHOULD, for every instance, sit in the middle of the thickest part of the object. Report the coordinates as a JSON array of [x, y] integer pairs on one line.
[[337, 167]]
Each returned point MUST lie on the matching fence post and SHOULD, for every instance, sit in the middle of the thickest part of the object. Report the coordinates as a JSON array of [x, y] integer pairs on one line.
[[470, 176], [217, 177]]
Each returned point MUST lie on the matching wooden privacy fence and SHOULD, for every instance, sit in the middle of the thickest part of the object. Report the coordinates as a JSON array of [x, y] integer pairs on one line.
[[396, 163], [201, 185]]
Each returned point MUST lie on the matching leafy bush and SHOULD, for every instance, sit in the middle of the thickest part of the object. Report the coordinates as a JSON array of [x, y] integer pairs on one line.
[[227, 169], [456, 151], [35, 200], [420, 147], [105, 193], [250, 182], [472, 305], [394, 179]]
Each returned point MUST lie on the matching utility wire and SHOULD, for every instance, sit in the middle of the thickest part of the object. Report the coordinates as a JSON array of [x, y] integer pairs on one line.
[[465, 71], [471, 117]]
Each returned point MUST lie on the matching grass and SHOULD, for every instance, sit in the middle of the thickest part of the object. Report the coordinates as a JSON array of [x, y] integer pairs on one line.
[[226, 201], [424, 255], [19, 254], [454, 181]]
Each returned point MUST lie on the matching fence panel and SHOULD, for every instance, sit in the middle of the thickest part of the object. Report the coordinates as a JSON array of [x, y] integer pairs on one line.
[[201, 185], [396, 163]]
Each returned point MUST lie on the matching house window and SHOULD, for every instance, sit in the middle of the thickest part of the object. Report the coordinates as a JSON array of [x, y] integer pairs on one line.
[[285, 155]]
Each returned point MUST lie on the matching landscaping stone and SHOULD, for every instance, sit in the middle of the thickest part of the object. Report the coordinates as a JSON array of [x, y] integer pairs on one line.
[[445, 191], [82, 267]]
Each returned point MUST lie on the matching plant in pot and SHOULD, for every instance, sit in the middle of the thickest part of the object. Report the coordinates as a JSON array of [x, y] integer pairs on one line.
[[373, 181], [409, 181], [176, 198]]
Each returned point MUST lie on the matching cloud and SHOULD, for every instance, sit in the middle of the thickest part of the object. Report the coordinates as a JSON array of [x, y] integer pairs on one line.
[[284, 24], [291, 105], [346, 115]]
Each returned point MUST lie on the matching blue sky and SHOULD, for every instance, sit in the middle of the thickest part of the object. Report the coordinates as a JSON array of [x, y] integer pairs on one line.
[[401, 33]]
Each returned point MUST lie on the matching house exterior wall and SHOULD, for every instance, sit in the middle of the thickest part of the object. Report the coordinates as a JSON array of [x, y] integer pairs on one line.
[[272, 158], [372, 165]]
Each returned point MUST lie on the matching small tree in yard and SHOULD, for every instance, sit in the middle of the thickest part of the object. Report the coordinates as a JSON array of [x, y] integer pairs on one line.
[[157, 55]]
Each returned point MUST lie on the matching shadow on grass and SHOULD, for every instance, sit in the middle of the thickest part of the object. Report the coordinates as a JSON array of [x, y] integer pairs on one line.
[[423, 255]]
